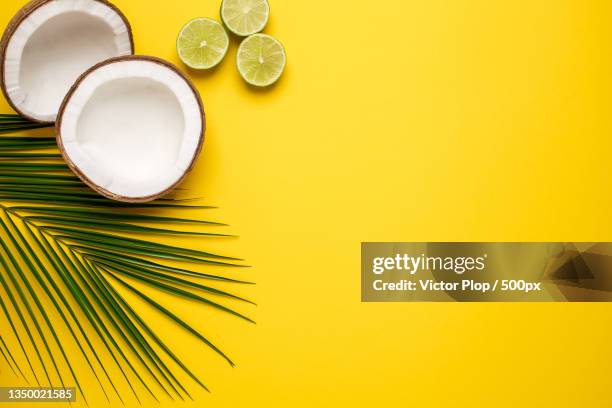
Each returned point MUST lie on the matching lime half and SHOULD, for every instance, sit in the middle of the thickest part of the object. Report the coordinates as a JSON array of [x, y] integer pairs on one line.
[[261, 60], [245, 17], [202, 43]]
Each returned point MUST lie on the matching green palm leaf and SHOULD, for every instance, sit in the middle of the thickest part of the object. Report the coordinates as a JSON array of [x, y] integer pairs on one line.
[[64, 253]]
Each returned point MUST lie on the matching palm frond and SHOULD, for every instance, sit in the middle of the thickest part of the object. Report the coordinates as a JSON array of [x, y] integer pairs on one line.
[[65, 252], [14, 123]]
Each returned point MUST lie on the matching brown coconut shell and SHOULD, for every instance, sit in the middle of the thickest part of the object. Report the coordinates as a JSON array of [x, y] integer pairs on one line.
[[77, 171], [16, 21]]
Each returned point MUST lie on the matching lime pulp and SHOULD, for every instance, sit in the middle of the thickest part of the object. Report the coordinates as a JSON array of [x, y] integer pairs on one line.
[[202, 43], [261, 60], [245, 17]]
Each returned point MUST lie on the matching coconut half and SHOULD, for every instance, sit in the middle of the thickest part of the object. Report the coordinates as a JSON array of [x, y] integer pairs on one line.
[[50, 43], [131, 128]]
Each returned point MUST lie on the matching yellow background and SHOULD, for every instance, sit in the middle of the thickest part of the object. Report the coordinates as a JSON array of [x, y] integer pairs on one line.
[[400, 120]]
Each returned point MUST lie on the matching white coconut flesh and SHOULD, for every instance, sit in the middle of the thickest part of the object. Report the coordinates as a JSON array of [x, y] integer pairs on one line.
[[53, 46], [131, 128]]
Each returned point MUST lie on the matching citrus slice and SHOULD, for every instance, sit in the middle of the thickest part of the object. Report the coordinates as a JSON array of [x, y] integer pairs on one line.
[[245, 17], [261, 59], [202, 43]]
